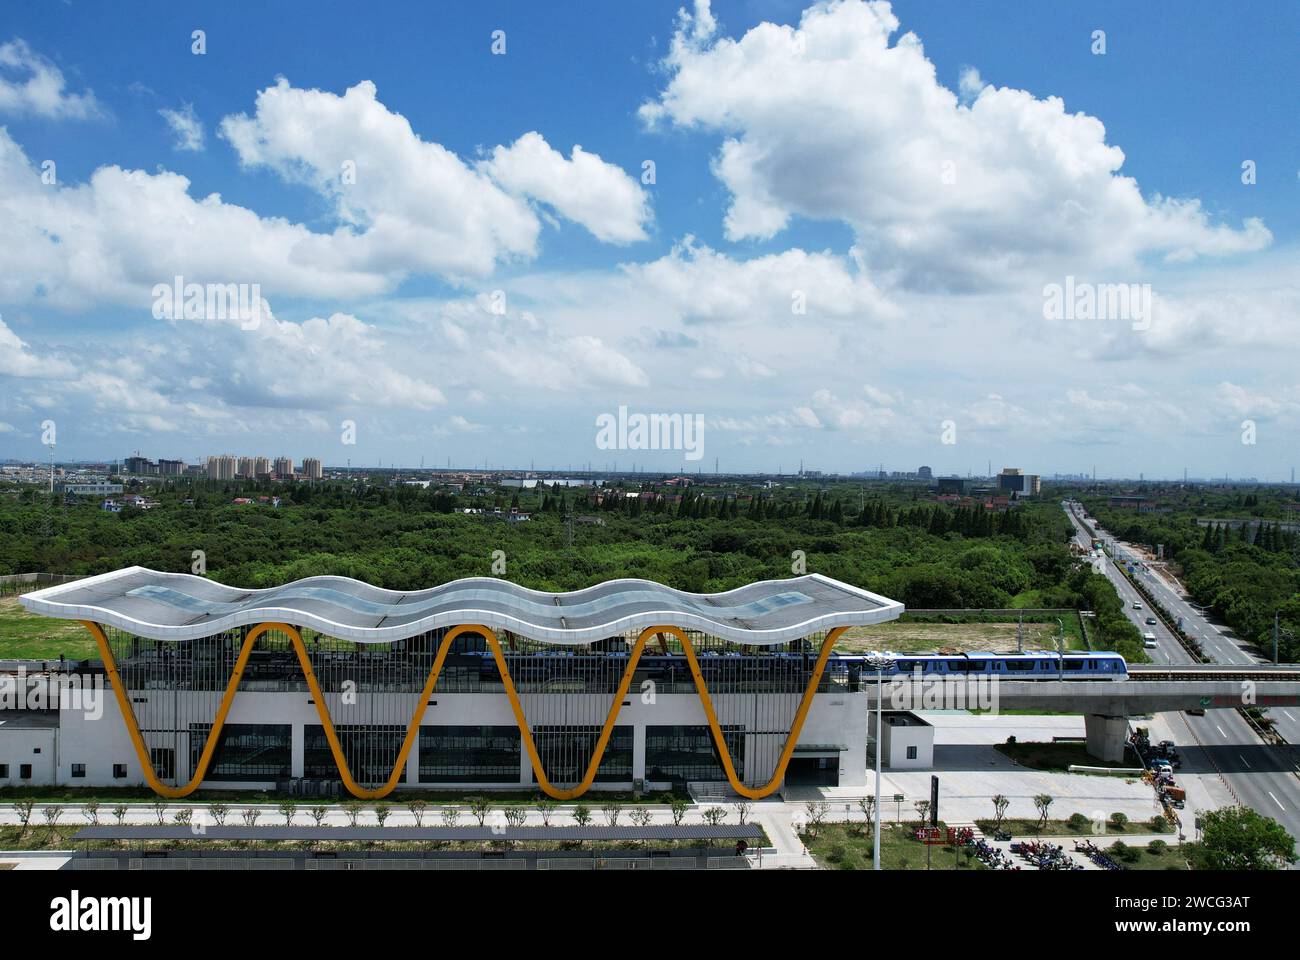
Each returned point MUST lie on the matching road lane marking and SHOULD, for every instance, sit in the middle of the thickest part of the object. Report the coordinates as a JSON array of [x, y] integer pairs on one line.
[[1220, 729], [1244, 760], [1288, 715], [1276, 800]]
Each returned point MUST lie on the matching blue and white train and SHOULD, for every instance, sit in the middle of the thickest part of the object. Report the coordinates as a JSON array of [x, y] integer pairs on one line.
[[1038, 665]]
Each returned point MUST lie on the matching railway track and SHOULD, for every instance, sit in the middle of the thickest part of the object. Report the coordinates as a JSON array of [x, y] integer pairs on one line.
[[1213, 671]]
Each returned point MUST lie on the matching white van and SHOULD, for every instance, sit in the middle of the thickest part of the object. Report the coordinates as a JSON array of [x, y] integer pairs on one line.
[[1148, 639]]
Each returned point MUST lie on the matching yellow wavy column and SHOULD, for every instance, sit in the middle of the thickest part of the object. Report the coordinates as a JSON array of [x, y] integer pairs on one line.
[[133, 725], [527, 735], [412, 731], [756, 793]]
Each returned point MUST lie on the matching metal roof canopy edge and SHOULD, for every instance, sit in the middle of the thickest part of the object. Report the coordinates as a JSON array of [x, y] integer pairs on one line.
[[873, 608]]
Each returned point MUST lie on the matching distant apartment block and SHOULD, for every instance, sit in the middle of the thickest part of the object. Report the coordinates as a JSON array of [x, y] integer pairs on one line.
[[311, 468], [222, 467], [283, 468]]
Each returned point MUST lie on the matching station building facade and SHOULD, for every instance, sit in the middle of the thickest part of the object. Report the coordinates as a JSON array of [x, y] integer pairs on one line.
[[328, 683]]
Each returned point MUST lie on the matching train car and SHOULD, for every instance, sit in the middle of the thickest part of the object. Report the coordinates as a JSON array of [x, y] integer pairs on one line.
[[1038, 665]]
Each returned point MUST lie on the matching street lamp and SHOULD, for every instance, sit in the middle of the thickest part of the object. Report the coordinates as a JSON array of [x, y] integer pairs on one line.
[[1060, 660], [880, 662]]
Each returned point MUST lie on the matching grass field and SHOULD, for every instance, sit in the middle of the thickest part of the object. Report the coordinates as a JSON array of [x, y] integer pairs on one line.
[[1058, 756], [847, 846], [25, 636], [1172, 857], [912, 636]]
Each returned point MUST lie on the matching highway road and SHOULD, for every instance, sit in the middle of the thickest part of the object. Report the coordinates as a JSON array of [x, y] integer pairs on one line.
[[1260, 775]]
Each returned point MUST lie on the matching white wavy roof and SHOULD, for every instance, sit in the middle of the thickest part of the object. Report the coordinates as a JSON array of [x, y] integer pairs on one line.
[[179, 606]]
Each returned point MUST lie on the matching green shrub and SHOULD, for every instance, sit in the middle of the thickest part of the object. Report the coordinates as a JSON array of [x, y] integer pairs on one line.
[[1157, 847], [1118, 820], [1078, 821]]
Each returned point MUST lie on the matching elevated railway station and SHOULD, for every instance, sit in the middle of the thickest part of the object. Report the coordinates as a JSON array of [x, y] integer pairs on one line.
[[478, 683]]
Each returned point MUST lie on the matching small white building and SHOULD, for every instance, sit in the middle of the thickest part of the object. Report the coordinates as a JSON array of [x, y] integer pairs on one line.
[[908, 741]]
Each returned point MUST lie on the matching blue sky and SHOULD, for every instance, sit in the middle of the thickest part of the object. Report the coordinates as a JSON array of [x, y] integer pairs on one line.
[[775, 177]]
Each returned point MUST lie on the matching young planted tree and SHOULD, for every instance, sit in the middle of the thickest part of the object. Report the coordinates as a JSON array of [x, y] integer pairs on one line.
[[611, 810], [1000, 804], [251, 815], [51, 814], [417, 808], [183, 816], [546, 807], [160, 810], [479, 809], [816, 811], [581, 814], [382, 810], [219, 813], [352, 810], [677, 808], [1043, 802], [318, 814], [287, 809], [119, 813], [922, 810], [868, 807], [450, 816], [90, 810]]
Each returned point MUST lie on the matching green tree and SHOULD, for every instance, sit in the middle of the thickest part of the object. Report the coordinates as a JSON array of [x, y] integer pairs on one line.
[[1238, 838]]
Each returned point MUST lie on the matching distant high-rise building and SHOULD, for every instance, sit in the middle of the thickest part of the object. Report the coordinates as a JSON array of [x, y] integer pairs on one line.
[[1012, 480], [311, 468], [142, 466], [171, 468], [284, 468], [245, 467], [261, 466], [222, 467], [925, 473]]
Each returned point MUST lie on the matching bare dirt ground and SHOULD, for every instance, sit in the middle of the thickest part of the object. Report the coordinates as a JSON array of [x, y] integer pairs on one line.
[[936, 637]]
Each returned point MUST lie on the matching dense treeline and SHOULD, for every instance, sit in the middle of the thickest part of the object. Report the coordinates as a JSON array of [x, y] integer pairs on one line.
[[1244, 575], [923, 553]]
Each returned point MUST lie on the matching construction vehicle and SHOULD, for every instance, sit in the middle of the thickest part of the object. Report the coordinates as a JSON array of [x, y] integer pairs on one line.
[[1177, 796]]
